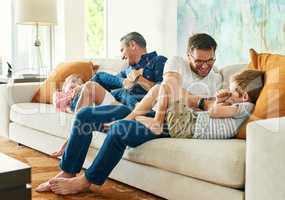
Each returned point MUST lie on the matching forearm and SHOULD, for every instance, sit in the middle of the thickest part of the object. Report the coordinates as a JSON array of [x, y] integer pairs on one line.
[[145, 104], [218, 110], [146, 84]]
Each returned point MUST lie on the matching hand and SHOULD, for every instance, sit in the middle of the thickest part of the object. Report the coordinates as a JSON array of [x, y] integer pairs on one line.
[[222, 95], [127, 84], [133, 75]]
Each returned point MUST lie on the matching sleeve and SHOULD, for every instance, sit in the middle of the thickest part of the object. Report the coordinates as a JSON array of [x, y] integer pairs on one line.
[[244, 110], [158, 68], [173, 65]]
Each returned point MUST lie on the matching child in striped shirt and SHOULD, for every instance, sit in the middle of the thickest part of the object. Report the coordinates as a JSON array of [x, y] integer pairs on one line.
[[221, 121]]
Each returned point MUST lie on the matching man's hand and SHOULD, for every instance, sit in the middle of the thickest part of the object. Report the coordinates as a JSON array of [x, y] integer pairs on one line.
[[222, 95], [133, 75], [127, 84]]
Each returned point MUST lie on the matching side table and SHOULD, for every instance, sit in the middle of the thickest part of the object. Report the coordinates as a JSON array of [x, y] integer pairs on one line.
[[15, 179]]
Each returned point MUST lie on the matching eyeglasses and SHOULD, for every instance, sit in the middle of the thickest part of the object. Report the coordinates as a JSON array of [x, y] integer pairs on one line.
[[198, 62]]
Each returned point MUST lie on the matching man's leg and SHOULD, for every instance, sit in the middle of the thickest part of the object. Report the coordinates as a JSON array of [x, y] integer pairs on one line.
[[86, 121], [122, 134], [107, 81], [122, 95]]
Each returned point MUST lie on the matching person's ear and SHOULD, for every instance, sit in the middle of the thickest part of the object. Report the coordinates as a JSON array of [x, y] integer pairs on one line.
[[246, 97], [132, 45]]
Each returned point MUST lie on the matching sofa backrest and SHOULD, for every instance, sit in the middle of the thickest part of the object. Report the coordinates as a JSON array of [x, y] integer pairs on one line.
[[114, 66]]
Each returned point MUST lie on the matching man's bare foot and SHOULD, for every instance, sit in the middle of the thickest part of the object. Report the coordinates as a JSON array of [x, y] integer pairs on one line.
[[65, 186], [45, 187], [150, 123]]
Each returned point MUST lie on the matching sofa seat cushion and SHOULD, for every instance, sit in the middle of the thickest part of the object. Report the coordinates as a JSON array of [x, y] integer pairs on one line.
[[217, 161], [42, 117]]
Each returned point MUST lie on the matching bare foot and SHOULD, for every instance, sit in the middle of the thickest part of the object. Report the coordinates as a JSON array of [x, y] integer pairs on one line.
[[60, 151], [45, 187], [150, 123], [65, 186]]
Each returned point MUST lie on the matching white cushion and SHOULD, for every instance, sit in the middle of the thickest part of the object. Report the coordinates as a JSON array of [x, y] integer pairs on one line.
[[216, 161]]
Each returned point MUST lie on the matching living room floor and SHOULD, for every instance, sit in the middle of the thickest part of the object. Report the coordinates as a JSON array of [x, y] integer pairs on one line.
[[44, 167]]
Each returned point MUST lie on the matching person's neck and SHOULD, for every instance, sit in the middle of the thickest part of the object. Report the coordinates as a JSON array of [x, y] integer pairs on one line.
[[140, 52]]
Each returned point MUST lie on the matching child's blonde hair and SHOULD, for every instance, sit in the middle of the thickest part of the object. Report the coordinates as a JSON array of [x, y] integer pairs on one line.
[[70, 77], [250, 81]]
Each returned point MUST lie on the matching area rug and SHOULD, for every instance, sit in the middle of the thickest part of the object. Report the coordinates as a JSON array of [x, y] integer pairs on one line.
[[44, 167]]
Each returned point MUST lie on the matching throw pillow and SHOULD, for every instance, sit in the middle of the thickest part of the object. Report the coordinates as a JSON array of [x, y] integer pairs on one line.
[[55, 80], [271, 100]]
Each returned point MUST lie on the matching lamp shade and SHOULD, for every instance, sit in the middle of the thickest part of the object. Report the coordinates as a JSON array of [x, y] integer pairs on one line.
[[30, 12]]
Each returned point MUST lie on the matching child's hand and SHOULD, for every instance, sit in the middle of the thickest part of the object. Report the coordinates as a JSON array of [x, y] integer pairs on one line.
[[222, 95]]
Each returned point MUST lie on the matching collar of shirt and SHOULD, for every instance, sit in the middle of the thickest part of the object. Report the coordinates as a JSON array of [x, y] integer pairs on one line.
[[144, 60]]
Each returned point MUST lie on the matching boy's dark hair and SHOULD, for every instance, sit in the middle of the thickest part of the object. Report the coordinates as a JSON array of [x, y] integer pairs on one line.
[[136, 37], [250, 81], [201, 41]]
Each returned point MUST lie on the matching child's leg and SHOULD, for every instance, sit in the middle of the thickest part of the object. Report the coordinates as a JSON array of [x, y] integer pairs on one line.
[[91, 93]]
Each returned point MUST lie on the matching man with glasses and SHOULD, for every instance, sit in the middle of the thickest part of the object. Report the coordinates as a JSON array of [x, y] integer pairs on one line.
[[197, 72]]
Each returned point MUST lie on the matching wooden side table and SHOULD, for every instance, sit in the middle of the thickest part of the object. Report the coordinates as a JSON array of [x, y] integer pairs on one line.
[[15, 179]]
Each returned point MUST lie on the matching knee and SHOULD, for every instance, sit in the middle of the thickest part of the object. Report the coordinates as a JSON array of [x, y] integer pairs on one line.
[[98, 76], [82, 114], [122, 130]]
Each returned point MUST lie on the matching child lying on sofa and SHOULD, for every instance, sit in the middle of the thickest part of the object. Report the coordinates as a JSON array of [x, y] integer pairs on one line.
[[222, 120], [75, 94]]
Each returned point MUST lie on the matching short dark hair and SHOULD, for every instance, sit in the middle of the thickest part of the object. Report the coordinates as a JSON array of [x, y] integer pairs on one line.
[[136, 37], [201, 41]]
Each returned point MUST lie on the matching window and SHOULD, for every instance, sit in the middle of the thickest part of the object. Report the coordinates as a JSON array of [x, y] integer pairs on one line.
[[26, 57], [95, 28]]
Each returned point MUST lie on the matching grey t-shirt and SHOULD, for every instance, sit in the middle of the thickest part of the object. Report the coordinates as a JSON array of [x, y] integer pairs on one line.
[[221, 128]]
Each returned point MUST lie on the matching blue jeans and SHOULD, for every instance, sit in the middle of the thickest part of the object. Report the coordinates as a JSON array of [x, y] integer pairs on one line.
[[108, 81], [122, 134], [114, 85]]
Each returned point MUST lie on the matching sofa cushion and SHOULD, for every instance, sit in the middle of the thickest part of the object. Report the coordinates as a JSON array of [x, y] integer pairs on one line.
[[270, 103], [55, 80], [217, 161], [42, 117]]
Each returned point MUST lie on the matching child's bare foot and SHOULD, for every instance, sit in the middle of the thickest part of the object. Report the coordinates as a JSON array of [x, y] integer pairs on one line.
[[150, 123], [65, 186], [45, 187], [60, 151]]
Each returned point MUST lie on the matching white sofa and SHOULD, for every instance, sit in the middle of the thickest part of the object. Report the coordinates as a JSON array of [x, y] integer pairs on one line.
[[171, 168]]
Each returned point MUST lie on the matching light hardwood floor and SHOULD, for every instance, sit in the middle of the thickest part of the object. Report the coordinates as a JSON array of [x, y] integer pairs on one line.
[[44, 167]]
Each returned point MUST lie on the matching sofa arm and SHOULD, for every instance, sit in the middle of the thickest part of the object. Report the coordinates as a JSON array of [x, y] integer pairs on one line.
[[11, 94], [265, 160]]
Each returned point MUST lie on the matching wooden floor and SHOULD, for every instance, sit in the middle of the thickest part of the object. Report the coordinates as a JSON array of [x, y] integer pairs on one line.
[[44, 167]]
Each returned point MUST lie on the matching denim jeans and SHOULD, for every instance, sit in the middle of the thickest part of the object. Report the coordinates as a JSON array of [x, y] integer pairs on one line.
[[122, 134], [114, 85], [108, 81]]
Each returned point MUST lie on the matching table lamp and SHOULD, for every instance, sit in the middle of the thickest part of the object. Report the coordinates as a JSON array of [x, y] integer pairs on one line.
[[38, 13]]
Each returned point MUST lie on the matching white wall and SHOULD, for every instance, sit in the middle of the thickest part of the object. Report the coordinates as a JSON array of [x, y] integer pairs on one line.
[[154, 19]]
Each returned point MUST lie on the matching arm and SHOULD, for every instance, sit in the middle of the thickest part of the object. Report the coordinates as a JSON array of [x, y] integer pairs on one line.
[[145, 104], [221, 111], [146, 84]]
